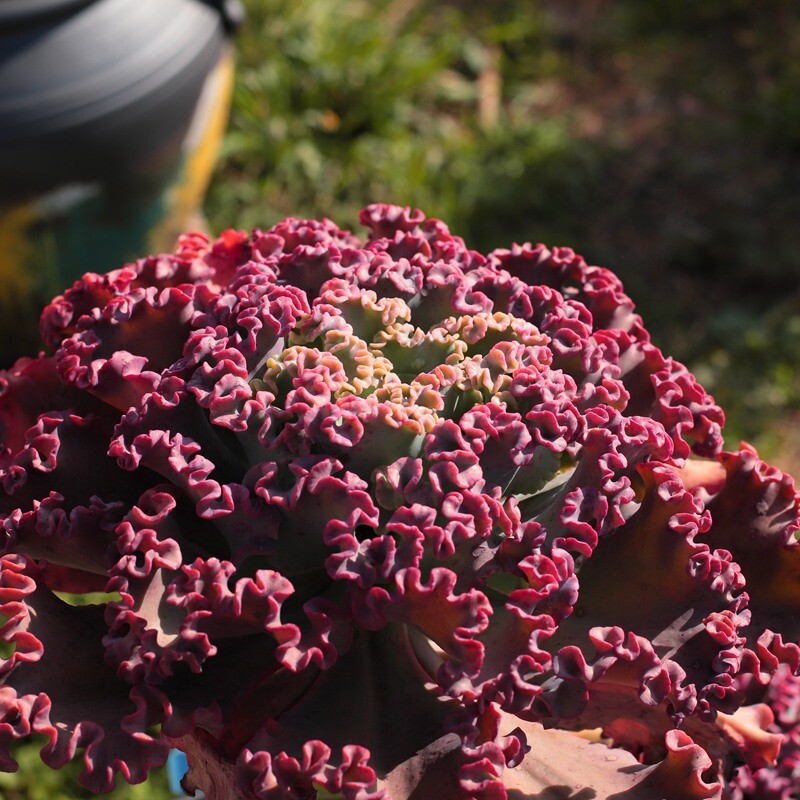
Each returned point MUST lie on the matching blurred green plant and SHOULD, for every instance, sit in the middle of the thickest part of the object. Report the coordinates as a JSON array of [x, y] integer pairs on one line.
[[752, 366], [341, 104]]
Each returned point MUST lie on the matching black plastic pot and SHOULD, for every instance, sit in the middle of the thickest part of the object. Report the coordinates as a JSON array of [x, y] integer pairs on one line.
[[24, 12], [110, 113], [91, 90]]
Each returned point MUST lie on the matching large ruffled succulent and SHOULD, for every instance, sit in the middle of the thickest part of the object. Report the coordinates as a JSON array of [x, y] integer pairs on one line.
[[389, 519]]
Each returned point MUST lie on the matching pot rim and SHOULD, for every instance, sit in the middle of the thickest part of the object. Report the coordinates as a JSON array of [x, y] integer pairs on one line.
[[23, 12]]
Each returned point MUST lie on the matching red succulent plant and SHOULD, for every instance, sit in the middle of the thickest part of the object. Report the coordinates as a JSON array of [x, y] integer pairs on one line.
[[390, 519]]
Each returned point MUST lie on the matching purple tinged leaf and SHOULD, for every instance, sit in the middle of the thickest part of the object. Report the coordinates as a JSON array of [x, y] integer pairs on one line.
[[367, 513]]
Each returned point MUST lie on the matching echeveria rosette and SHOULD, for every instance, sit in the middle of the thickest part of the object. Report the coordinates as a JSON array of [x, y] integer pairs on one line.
[[390, 519]]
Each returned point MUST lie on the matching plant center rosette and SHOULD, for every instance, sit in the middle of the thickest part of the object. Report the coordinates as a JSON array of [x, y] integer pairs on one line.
[[387, 520]]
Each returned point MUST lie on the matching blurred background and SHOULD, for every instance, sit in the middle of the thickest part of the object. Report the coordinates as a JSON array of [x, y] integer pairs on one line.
[[660, 139]]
